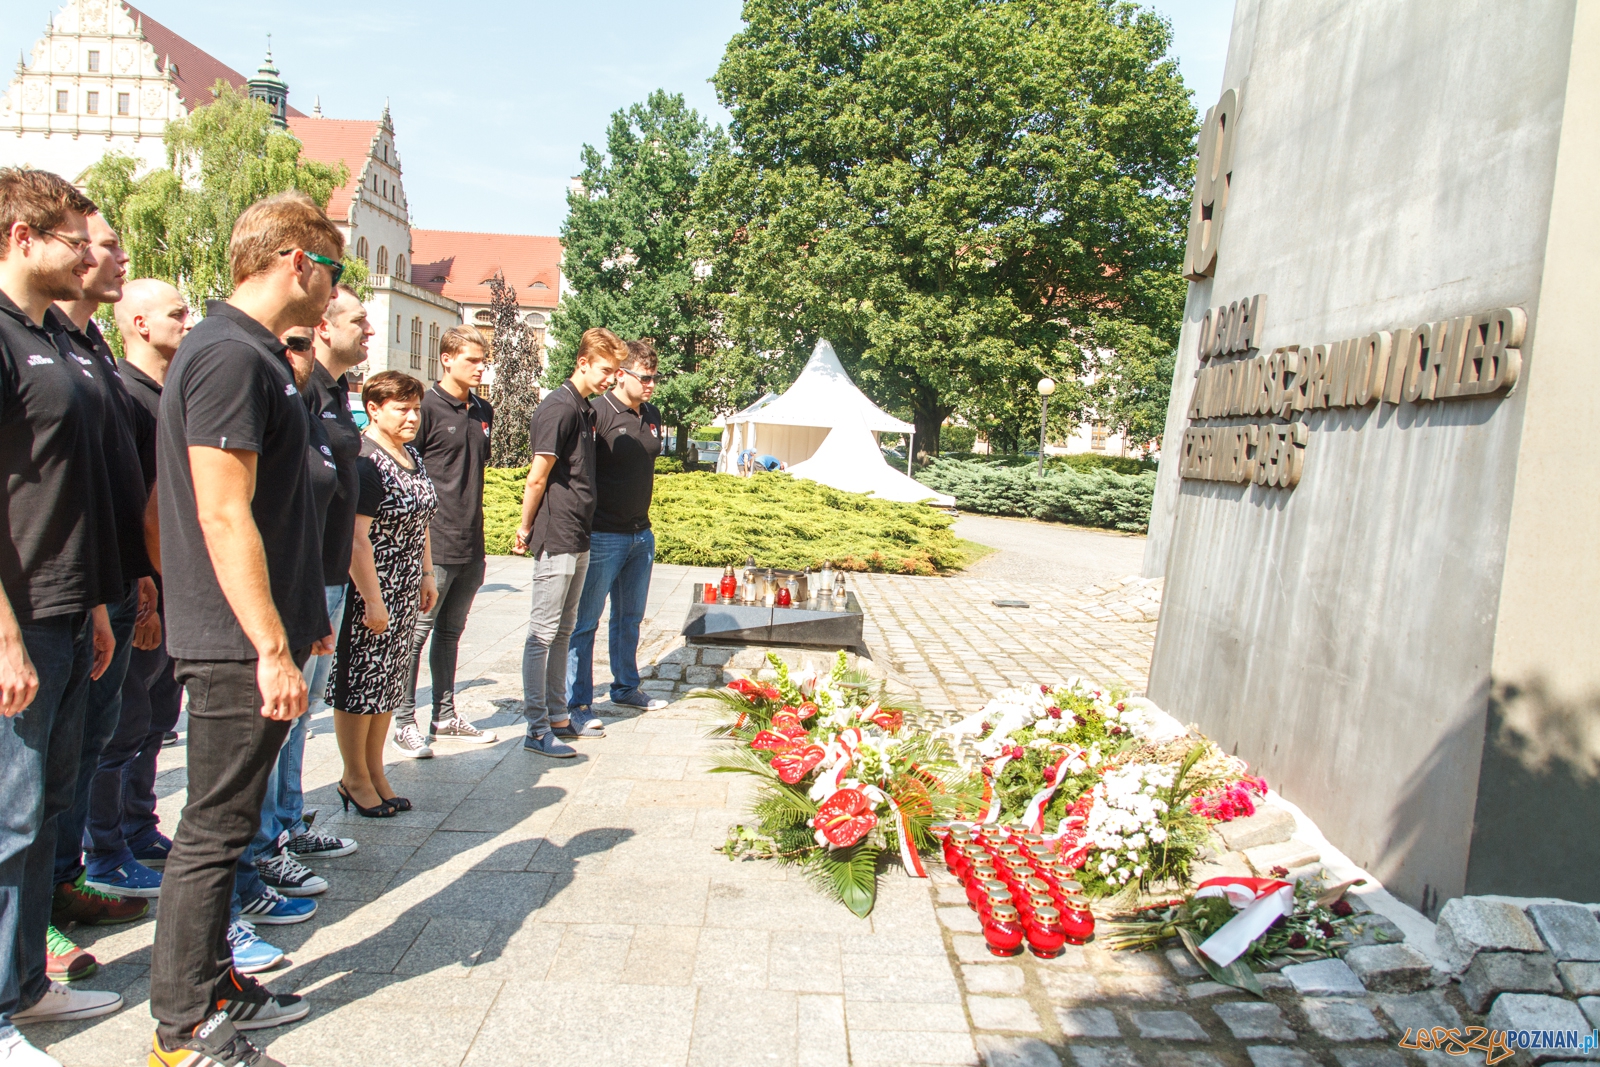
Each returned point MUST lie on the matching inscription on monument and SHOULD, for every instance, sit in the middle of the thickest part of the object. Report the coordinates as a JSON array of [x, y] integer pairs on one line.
[[1213, 174]]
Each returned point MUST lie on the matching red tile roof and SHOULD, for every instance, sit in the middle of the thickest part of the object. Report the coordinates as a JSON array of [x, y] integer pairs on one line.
[[196, 70], [334, 141], [463, 263]]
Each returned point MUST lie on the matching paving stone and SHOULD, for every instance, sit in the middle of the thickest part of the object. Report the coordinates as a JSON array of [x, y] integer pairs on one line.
[[1342, 1020], [1270, 980], [963, 920], [1493, 973], [1571, 931], [1168, 1025], [993, 977], [1251, 1020], [1419, 1011], [1268, 826], [1390, 968], [1580, 978], [1001, 1051], [1375, 929], [1530, 1011], [1087, 1022], [703, 675], [1287, 854], [1590, 1006], [715, 657], [1003, 1013], [1139, 987], [1276, 1056], [1104, 1056], [1324, 978], [1470, 925], [1202, 990], [1177, 1058], [893, 1048], [1183, 963], [1368, 1057], [669, 671], [1070, 986]]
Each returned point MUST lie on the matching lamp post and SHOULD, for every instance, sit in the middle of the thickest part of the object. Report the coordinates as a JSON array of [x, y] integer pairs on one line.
[[1046, 387]]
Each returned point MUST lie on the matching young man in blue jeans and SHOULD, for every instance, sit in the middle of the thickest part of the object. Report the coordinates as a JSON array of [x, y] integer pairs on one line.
[[622, 550]]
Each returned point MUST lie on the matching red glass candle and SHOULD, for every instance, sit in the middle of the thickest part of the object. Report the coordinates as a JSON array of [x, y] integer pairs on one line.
[[1031, 838], [951, 848], [1003, 931], [975, 892], [1077, 922], [995, 895], [1036, 887], [983, 871], [730, 584], [783, 599], [1047, 938], [710, 593], [1007, 850]]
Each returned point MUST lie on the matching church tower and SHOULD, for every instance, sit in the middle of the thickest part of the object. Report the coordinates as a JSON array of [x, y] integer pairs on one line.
[[271, 89]]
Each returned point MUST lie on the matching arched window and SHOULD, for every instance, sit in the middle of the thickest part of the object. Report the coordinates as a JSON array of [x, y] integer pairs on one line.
[[400, 268], [383, 260], [485, 317], [433, 351], [361, 251], [416, 343]]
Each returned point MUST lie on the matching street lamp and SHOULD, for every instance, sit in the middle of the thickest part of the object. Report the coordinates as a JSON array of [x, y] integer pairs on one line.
[[1046, 387]]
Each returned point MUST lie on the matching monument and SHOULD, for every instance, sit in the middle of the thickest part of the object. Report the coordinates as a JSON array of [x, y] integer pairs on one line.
[[1378, 510]]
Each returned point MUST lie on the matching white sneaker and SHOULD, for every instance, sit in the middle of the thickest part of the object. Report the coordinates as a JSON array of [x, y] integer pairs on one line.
[[409, 743], [60, 1004], [16, 1052], [459, 729]]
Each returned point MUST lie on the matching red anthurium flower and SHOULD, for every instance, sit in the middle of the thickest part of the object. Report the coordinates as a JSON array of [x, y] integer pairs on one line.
[[744, 686], [796, 765], [774, 742], [889, 719], [787, 722], [845, 818], [808, 709]]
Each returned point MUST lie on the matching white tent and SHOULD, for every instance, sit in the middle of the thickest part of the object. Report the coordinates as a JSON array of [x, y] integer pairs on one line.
[[793, 426], [850, 459]]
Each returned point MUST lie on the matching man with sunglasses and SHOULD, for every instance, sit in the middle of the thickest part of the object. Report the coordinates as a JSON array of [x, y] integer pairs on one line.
[[622, 549]]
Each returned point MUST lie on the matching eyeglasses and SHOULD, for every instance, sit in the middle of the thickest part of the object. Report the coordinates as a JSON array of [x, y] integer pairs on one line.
[[78, 246], [335, 268], [644, 379], [297, 343]]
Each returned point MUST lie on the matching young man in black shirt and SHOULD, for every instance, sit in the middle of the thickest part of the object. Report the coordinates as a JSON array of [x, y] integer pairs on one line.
[[622, 550], [557, 508], [59, 567], [242, 573], [453, 439]]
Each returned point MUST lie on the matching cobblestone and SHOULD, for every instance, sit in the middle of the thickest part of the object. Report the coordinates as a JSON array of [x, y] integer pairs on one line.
[[1469, 925], [1343, 1020], [1571, 931], [1087, 1022], [1395, 968], [1002, 1013], [1169, 1025], [1252, 1021], [1324, 978], [1277, 1056], [1493, 973], [1527, 1011]]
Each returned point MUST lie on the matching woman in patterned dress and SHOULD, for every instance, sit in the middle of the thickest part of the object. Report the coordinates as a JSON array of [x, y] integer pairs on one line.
[[391, 583]]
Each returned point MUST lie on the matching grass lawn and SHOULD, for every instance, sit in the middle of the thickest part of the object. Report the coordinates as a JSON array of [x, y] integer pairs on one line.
[[703, 519]]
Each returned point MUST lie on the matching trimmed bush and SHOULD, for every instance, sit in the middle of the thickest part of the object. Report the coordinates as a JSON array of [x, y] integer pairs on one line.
[[956, 438], [703, 519], [1094, 498], [1078, 461], [669, 465]]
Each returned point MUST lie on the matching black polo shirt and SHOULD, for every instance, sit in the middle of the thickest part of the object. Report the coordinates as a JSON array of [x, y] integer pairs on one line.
[[329, 400], [129, 445], [324, 476], [58, 548], [563, 427], [453, 440], [144, 391], [231, 387], [626, 445]]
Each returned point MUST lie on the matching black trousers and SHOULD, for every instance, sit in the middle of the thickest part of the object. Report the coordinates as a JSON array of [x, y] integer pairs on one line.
[[458, 584], [231, 751]]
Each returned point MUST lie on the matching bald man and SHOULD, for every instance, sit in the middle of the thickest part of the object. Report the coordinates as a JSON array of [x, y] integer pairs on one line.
[[152, 317]]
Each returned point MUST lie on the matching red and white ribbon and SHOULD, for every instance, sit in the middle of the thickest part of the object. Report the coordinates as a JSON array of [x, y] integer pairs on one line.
[[1033, 818], [908, 848], [1260, 900], [841, 755]]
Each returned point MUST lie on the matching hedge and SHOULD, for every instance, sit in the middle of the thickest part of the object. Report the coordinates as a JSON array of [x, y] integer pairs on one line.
[[704, 519], [1093, 498]]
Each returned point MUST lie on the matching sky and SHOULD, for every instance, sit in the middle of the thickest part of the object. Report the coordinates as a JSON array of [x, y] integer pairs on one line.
[[493, 101]]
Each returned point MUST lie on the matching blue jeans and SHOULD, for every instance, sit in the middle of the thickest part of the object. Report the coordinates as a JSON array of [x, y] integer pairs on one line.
[[99, 723], [40, 751], [619, 567], [285, 803]]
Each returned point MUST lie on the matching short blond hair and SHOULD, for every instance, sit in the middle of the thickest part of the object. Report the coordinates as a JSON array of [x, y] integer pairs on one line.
[[267, 227], [601, 341], [457, 338]]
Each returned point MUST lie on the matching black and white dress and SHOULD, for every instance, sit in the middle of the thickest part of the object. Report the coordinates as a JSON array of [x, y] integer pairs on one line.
[[371, 671]]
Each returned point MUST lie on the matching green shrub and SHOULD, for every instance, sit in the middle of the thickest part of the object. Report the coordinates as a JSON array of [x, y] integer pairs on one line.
[[706, 433], [703, 519], [1097, 497], [669, 465], [957, 438], [1078, 461]]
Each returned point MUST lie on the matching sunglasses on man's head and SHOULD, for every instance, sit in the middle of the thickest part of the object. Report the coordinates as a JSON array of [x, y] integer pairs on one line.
[[335, 268], [297, 344], [646, 379]]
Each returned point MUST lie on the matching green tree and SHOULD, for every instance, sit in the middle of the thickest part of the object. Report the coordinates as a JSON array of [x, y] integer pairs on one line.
[[962, 195], [626, 244], [515, 392]]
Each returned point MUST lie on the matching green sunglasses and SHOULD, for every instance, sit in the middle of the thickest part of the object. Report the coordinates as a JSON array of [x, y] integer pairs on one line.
[[335, 268]]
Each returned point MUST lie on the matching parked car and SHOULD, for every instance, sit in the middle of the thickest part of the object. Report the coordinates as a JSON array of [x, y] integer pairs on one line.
[[358, 411]]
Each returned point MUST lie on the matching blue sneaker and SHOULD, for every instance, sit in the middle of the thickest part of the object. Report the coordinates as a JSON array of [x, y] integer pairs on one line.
[[153, 853], [636, 699], [272, 908], [132, 879], [251, 954], [547, 745], [577, 728]]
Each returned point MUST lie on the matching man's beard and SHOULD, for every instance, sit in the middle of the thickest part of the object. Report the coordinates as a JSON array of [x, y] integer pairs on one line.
[[57, 284]]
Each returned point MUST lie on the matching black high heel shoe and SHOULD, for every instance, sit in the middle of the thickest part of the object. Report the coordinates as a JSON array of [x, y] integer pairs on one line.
[[398, 803], [382, 811]]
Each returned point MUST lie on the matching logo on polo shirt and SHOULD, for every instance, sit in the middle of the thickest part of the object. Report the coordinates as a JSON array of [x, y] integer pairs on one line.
[[326, 451], [452, 429], [80, 359], [288, 390], [39, 361], [329, 415]]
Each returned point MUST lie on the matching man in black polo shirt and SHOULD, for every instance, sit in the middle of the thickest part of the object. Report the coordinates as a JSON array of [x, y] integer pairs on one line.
[[58, 569], [242, 570], [622, 550], [557, 508], [453, 439]]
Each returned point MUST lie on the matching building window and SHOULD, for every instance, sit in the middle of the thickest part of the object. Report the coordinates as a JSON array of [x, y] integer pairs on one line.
[[94, 61], [361, 251], [124, 105], [400, 268], [485, 317], [397, 331], [383, 260], [1097, 437], [61, 101], [416, 344], [91, 103], [433, 351]]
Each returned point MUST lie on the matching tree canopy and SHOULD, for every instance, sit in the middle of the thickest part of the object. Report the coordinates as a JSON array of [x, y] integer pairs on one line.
[[627, 256], [962, 195], [514, 393]]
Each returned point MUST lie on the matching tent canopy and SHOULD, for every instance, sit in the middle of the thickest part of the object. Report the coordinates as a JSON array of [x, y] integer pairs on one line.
[[793, 426], [850, 459]]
